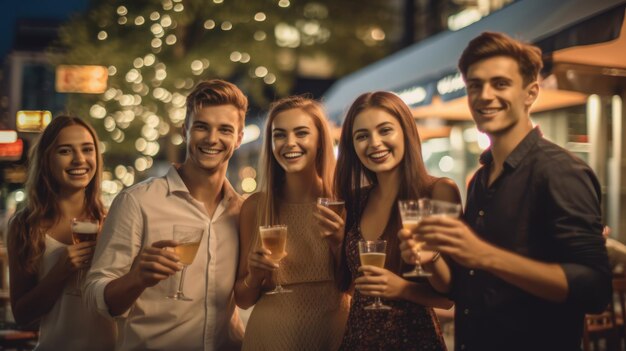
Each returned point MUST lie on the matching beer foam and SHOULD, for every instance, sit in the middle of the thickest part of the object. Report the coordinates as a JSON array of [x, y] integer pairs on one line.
[[85, 227]]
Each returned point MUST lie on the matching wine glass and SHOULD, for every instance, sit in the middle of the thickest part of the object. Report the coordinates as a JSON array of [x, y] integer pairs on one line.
[[274, 238], [445, 208], [373, 253], [335, 205], [411, 212], [188, 239], [83, 229]]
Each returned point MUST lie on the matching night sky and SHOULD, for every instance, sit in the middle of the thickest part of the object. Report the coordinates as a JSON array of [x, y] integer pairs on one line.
[[11, 10]]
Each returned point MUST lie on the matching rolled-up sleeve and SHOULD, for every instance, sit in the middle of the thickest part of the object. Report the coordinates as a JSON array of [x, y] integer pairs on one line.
[[573, 200], [118, 245]]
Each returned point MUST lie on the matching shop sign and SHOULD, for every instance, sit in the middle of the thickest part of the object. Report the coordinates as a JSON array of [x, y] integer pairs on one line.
[[81, 79]]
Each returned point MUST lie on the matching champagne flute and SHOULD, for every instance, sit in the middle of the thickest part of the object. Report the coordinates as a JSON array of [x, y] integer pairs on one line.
[[274, 238], [335, 205], [373, 253], [188, 239], [411, 212], [83, 229]]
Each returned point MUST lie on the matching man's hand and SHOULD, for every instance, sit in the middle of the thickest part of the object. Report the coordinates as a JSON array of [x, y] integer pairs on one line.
[[156, 263], [454, 238]]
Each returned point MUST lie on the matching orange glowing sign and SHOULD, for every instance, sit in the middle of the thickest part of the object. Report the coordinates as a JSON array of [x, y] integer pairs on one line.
[[81, 79], [11, 151], [32, 121]]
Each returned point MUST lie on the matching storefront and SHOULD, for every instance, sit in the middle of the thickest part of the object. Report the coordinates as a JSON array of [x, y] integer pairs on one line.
[[580, 105]]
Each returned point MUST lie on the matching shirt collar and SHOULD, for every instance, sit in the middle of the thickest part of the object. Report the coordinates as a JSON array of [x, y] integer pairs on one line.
[[176, 185], [520, 151]]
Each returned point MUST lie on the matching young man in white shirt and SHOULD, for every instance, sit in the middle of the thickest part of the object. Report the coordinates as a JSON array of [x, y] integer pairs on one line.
[[134, 267]]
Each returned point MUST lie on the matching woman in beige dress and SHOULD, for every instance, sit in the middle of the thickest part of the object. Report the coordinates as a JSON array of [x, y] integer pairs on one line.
[[297, 164]]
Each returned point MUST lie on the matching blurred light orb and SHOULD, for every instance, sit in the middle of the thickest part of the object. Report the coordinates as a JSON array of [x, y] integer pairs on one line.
[[261, 71], [248, 185], [226, 25], [176, 139], [446, 163], [209, 24]]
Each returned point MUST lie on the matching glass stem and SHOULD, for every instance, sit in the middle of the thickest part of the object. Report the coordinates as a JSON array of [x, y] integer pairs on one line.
[[182, 280], [278, 287], [418, 263]]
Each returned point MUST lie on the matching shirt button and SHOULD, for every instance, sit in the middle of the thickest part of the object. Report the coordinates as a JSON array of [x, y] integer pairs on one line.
[[471, 272], [481, 213], [466, 311]]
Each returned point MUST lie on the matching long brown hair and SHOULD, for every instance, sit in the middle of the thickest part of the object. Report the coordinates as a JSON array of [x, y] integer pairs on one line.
[[26, 238], [273, 175], [352, 179]]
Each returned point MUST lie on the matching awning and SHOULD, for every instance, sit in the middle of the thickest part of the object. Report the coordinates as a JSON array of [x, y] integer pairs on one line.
[[551, 24]]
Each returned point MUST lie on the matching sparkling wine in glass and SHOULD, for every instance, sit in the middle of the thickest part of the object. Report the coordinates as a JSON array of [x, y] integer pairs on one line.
[[188, 239], [373, 253], [83, 229], [335, 205], [412, 212], [274, 238]]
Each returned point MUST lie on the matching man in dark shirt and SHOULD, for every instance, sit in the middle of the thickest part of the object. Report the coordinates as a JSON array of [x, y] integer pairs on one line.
[[528, 261]]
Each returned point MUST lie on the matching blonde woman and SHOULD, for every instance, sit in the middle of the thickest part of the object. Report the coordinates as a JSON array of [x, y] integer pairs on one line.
[[297, 165]]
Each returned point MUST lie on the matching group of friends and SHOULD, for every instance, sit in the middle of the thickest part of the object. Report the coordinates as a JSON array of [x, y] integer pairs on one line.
[[522, 266]]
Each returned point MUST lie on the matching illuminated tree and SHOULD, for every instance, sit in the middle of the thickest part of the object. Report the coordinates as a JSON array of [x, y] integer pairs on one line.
[[156, 50]]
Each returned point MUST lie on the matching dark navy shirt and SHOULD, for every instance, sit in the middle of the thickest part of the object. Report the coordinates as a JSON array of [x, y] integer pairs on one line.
[[545, 205]]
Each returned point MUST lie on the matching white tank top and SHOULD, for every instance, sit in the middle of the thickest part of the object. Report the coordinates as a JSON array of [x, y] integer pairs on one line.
[[70, 325]]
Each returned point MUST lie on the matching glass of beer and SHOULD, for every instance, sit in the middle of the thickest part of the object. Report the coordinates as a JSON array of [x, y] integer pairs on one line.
[[373, 253], [83, 229], [411, 212], [335, 205], [188, 239], [274, 238]]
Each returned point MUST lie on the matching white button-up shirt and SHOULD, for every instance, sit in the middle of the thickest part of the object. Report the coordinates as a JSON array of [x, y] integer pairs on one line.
[[146, 213]]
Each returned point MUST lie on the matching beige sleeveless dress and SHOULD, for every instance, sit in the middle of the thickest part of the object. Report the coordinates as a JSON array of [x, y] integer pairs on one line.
[[313, 316]]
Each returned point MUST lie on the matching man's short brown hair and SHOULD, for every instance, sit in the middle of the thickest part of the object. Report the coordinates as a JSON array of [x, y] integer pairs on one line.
[[215, 92], [491, 44]]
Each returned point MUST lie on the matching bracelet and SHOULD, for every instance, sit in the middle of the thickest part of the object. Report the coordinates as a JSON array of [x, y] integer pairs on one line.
[[434, 259]]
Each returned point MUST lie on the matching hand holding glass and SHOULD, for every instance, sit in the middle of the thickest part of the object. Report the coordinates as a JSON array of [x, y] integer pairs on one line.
[[83, 229], [274, 238], [411, 212], [373, 253], [188, 239], [335, 205]]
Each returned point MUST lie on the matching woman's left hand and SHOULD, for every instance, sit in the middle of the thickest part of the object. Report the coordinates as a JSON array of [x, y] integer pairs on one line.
[[380, 282], [331, 225]]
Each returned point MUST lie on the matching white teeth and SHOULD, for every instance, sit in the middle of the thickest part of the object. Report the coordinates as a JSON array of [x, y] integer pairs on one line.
[[293, 154], [379, 154], [77, 171], [487, 111], [209, 151]]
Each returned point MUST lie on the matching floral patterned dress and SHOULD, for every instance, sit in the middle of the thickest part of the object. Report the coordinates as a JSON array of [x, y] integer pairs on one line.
[[407, 326]]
